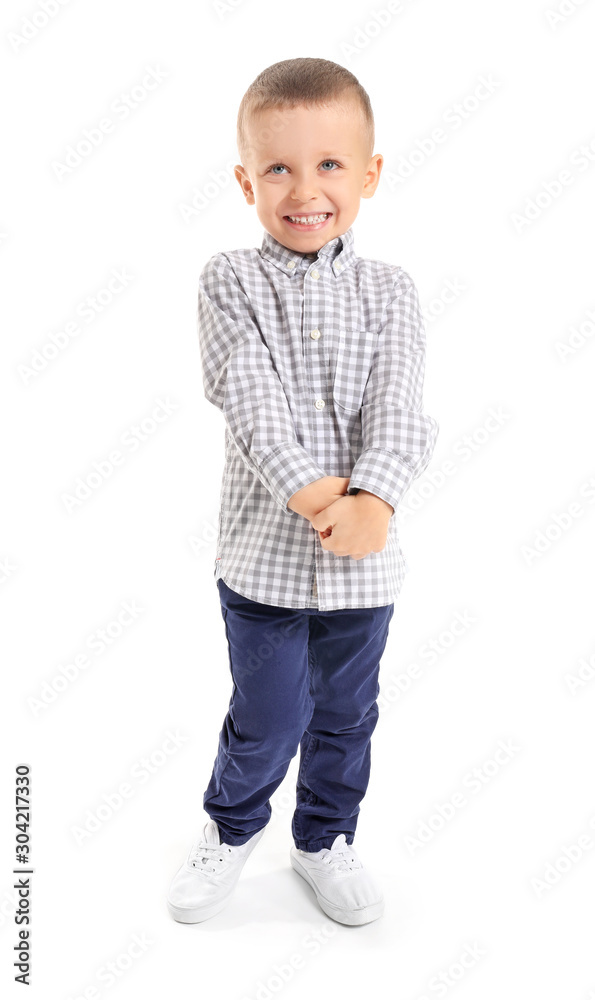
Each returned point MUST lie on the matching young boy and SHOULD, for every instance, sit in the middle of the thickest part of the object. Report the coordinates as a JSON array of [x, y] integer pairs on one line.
[[316, 358]]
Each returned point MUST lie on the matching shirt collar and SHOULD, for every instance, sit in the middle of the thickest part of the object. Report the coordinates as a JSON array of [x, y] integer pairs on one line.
[[339, 252]]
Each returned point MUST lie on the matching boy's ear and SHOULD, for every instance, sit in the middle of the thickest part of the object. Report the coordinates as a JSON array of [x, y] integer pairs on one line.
[[245, 183], [372, 175]]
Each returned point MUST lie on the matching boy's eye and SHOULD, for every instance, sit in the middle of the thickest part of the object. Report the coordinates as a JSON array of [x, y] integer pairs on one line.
[[281, 166]]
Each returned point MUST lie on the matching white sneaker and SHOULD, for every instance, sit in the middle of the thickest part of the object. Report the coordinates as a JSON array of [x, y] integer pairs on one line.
[[205, 882], [343, 887]]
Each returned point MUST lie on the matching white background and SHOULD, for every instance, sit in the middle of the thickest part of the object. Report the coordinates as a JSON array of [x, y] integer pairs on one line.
[[146, 533]]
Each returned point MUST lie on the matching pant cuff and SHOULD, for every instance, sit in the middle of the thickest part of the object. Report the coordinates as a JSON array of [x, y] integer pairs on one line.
[[312, 846]]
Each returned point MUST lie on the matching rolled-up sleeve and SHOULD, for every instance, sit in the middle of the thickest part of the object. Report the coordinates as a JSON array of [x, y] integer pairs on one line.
[[397, 438], [239, 377]]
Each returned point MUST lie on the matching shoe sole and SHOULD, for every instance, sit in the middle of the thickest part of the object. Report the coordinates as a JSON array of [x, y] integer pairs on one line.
[[196, 914], [363, 915], [186, 915]]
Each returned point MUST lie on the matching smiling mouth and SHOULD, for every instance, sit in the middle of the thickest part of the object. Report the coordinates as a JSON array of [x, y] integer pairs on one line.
[[308, 220]]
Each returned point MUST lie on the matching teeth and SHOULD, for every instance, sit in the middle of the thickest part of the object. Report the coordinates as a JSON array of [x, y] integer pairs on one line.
[[309, 220]]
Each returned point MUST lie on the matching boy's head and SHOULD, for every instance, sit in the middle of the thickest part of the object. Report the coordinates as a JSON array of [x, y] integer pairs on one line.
[[306, 138]]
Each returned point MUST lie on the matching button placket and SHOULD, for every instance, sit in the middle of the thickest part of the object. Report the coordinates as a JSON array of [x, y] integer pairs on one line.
[[317, 364], [315, 347]]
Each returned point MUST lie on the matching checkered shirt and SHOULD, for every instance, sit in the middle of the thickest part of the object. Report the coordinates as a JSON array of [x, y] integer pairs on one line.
[[317, 362]]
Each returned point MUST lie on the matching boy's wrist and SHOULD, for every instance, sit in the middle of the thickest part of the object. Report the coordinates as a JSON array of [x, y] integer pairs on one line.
[[314, 497], [367, 497], [302, 502]]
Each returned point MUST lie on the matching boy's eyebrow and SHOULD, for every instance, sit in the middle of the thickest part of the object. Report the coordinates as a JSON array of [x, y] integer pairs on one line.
[[319, 156]]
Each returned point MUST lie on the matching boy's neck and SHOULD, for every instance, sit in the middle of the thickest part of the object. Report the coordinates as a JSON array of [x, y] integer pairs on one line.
[[312, 254]]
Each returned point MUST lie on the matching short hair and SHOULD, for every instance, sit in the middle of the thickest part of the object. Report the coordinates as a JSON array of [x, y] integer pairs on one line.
[[302, 81]]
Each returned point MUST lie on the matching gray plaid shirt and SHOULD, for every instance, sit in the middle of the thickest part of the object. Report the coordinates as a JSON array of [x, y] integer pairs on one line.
[[317, 362]]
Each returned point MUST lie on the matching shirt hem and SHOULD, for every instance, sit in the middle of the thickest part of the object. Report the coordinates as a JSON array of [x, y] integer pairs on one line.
[[308, 607]]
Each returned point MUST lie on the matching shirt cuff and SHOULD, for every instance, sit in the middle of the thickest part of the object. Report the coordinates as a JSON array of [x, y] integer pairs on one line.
[[286, 468], [382, 472]]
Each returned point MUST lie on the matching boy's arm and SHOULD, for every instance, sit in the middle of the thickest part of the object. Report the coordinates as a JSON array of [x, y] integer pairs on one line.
[[398, 439], [239, 377]]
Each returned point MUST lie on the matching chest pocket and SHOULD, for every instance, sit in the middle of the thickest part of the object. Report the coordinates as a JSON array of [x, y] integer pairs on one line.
[[354, 360]]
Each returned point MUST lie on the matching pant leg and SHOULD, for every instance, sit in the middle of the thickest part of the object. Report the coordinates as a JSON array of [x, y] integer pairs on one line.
[[345, 649], [269, 709]]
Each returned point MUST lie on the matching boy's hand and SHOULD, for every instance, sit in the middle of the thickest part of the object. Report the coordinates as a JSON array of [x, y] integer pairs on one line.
[[354, 525], [314, 497]]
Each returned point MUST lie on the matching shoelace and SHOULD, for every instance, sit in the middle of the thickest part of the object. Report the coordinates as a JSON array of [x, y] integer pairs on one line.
[[342, 858], [207, 859]]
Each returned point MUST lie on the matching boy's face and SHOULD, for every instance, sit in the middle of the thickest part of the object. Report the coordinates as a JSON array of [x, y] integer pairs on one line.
[[307, 161]]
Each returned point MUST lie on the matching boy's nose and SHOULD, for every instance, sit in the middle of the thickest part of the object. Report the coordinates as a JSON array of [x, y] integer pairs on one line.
[[304, 191]]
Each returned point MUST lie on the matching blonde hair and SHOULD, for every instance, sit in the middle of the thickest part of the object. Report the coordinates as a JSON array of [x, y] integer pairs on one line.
[[303, 81]]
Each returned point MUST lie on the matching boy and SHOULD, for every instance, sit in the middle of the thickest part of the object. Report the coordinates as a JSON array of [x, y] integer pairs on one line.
[[316, 358]]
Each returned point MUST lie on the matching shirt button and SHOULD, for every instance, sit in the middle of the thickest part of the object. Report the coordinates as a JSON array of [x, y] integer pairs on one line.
[[319, 404], [315, 334], [315, 275], [291, 263]]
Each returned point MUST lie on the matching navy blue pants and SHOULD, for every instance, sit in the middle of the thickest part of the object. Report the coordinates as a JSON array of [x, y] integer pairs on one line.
[[302, 678]]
